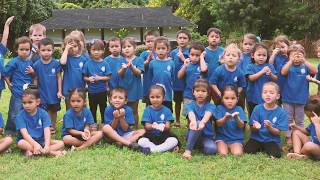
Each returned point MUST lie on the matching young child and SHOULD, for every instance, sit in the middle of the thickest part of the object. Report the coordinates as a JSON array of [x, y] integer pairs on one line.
[[18, 74], [258, 72], [119, 118], [161, 70], [200, 114], [248, 43], [317, 78], [147, 56], [82, 38], [304, 146], [36, 33], [179, 55], [48, 77], [130, 75], [156, 120], [76, 123], [5, 142], [228, 73], [296, 86], [72, 61], [96, 73], [266, 122], [230, 120], [33, 124]]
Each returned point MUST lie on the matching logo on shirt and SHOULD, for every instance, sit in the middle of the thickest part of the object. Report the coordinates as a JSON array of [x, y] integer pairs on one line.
[[235, 79], [53, 70], [303, 71], [169, 68], [39, 122], [198, 69], [81, 64], [84, 119], [274, 120], [103, 69], [162, 117]]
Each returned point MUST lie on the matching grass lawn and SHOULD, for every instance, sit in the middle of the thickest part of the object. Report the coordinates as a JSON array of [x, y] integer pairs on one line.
[[107, 162]]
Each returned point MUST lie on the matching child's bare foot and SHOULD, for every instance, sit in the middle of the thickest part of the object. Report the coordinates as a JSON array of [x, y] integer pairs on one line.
[[58, 153], [187, 154], [287, 149], [296, 156], [28, 154]]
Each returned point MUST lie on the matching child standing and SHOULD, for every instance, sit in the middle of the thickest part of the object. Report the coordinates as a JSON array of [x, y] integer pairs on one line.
[[18, 74], [76, 122], [200, 114], [231, 121], [48, 77], [6, 141], [33, 124], [266, 122], [156, 120], [96, 73], [258, 72], [130, 75], [248, 43], [36, 33], [296, 86]]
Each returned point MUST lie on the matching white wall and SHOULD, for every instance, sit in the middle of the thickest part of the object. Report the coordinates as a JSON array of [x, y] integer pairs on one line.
[[55, 35], [92, 34], [171, 33]]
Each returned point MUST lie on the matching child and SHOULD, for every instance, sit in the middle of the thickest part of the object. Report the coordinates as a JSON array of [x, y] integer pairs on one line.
[[4, 50], [258, 72], [119, 118], [228, 73], [248, 43], [6, 141], [17, 73], [33, 124], [317, 79], [48, 75], [304, 146], [76, 122], [130, 75], [82, 38], [266, 122], [147, 56], [230, 121], [161, 70], [72, 61], [156, 120], [36, 33], [200, 114], [179, 55], [193, 68], [96, 73], [296, 86]]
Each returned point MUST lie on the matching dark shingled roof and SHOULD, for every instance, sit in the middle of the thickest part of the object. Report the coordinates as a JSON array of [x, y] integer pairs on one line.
[[114, 18]]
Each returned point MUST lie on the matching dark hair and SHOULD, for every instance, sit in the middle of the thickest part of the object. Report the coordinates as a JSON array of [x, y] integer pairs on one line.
[[32, 90], [251, 37], [230, 88], [82, 92], [201, 82], [260, 46], [197, 46], [129, 40], [158, 86], [97, 44], [313, 104], [119, 90], [163, 40], [296, 47], [216, 30], [114, 39], [22, 40], [184, 31], [46, 42], [151, 33]]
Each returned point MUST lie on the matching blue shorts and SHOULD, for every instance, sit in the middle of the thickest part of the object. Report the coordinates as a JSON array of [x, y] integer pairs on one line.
[[40, 141]]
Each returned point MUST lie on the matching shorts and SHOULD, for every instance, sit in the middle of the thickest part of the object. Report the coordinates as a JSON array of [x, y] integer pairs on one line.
[[127, 135], [178, 96], [40, 141], [186, 101], [161, 138], [51, 107], [229, 142]]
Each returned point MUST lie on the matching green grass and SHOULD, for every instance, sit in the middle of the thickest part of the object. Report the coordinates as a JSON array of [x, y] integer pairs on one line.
[[107, 162]]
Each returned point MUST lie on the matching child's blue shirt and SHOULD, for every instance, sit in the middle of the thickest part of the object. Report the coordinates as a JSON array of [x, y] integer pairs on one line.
[[114, 64], [129, 118], [313, 134], [245, 61], [178, 84], [212, 59], [1, 121], [192, 73], [318, 74], [146, 75], [3, 52], [279, 62]]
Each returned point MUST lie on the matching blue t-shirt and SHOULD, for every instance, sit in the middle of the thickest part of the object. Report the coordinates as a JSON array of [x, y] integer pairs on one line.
[[212, 59], [72, 120], [47, 75], [313, 134], [279, 62], [230, 132], [1, 121], [318, 74], [72, 73], [92, 68], [131, 82], [296, 86], [129, 118], [146, 75], [199, 112], [245, 60], [278, 118], [162, 72], [34, 55], [222, 77], [192, 73], [161, 116], [34, 124], [3, 52], [16, 71], [254, 88], [178, 84], [114, 64]]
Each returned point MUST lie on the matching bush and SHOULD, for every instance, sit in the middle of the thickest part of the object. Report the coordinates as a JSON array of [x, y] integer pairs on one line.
[[140, 49], [57, 53]]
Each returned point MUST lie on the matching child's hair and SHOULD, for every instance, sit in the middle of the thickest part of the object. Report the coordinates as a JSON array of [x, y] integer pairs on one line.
[[114, 39], [251, 37], [82, 92], [36, 27], [31, 90], [230, 88], [296, 47], [22, 40], [317, 45], [275, 85], [97, 44], [281, 38], [119, 90], [260, 46], [233, 46], [158, 86], [203, 83], [71, 38], [197, 46], [151, 33], [184, 31], [215, 30], [313, 104], [129, 40], [163, 40], [80, 35], [46, 42]]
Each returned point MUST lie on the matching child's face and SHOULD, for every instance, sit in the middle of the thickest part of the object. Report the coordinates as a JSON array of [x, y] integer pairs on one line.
[[156, 98], [118, 99], [36, 36], [128, 49], [270, 94], [201, 94], [77, 102], [115, 47], [260, 56], [283, 48], [46, 52], [150, 42], [248, 45], [24, 50], [214, 39], [182, 40], [229, 99], [297, 57], [75, 49], [96, 54], [318, 52], [30, 103], [162, 50], [194, 55], [231, 57]]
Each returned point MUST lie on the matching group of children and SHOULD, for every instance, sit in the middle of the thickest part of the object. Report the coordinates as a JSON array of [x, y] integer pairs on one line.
[[274, 90]]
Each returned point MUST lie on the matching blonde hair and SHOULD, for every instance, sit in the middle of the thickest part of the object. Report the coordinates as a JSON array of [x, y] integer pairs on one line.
[[35, 27], [81, 36], [71, 38], [232, 46], [281, 38]]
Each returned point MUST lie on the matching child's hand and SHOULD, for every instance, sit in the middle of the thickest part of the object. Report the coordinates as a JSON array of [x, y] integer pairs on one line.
[[180, 54], [92, 79], [193, 125], [37, 148], [256, 125], [86, 134], [267, 124], [150, 56], [116, 114], [309, 78], [29, 70], [235, 114], [315, 119], [203, 55], [201, 125], [129, 65], [122, 112], [227, 116], [60, 96], [266, 70], [161, 127], [186, 62], [9, 85], [275, 51], [154, 125], [124, 66], [69, 45], [45, 150], [9, 20]]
